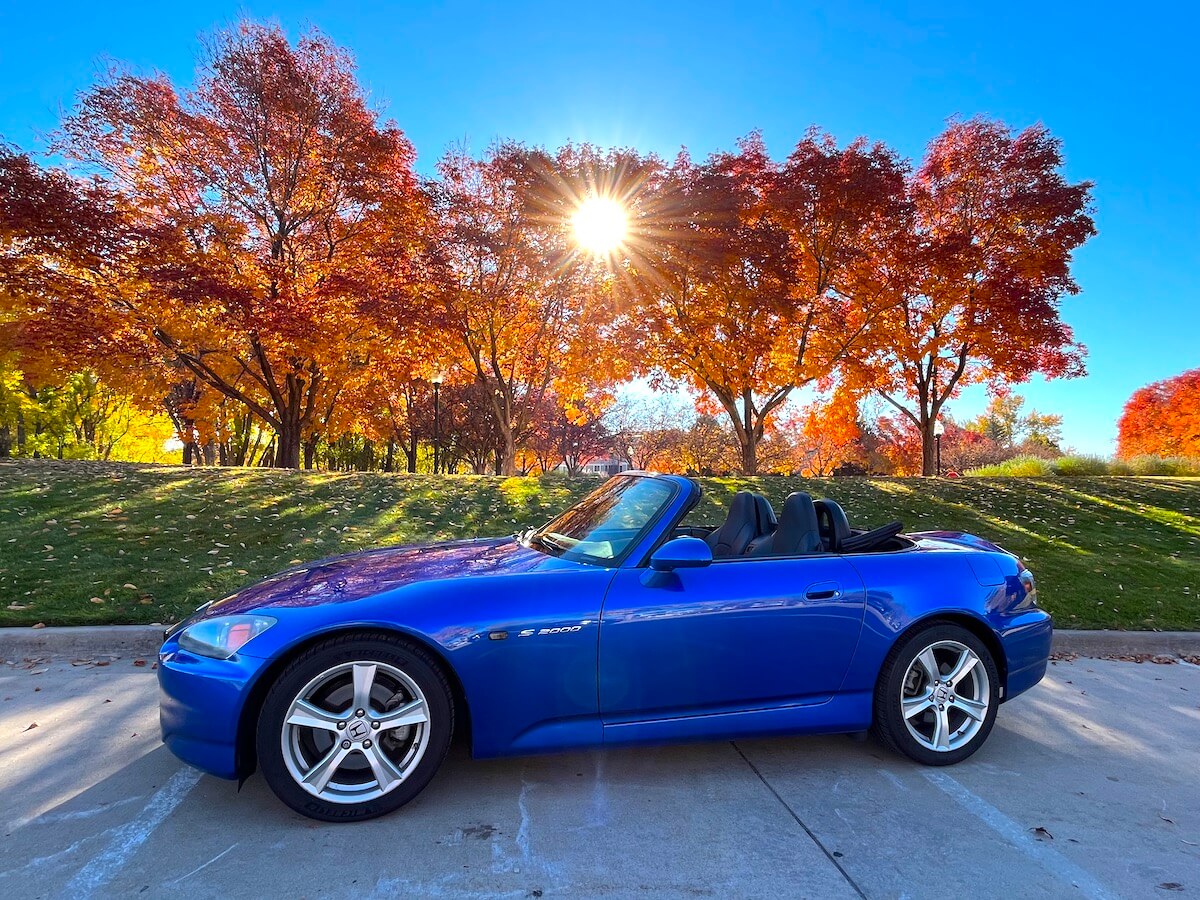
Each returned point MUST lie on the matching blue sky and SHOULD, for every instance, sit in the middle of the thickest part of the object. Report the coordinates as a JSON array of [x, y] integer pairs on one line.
[[1112, 81]]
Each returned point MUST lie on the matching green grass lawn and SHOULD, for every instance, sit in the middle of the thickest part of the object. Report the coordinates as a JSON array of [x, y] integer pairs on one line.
[[84, 542]]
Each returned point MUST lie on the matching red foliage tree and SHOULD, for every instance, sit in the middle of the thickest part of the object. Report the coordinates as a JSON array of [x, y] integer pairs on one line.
[[260, 234], [977, 284]]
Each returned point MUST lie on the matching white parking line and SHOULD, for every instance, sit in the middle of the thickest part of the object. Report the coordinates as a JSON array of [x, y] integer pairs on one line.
[[104, 865], [1050, 859]]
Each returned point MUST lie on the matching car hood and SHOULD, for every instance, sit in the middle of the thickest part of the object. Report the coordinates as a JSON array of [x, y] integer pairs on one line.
[[342, 579]]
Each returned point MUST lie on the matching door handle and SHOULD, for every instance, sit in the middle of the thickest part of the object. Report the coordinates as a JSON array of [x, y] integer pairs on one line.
[[826, 590]]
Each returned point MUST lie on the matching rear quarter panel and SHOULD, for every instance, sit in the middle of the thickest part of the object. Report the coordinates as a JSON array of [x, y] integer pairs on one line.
[[906, 588]]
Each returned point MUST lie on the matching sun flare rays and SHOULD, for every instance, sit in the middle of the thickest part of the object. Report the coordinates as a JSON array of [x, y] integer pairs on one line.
[[600, 225]]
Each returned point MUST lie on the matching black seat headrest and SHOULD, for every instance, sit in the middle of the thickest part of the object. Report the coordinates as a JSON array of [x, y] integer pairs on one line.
[[798, 532], [833, 524], [767, 522], [738, 530]]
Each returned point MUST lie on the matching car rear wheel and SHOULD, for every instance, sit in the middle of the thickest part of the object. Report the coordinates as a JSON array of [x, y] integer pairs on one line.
[[355, 727], [937, 695]]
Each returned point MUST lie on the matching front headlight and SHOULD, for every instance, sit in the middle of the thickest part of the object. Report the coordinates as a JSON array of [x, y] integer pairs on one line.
[[222, 637]]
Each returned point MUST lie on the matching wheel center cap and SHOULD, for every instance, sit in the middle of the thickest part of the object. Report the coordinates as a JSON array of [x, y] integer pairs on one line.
[[358, 729], [941, 693]]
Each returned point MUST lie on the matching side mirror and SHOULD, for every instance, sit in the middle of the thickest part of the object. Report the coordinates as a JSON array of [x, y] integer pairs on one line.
[[681, 553]]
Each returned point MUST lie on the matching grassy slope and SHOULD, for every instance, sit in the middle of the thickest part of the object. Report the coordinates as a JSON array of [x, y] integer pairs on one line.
[[89, 542]]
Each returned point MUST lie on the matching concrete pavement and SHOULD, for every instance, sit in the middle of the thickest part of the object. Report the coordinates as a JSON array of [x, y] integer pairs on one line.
[[1087, 788]]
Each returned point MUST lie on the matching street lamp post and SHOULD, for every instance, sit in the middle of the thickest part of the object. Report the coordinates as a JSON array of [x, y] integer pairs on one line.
[[437, 425], [938, 430]]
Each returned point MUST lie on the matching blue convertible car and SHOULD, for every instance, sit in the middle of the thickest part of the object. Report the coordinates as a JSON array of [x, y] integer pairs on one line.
[[343, 680]]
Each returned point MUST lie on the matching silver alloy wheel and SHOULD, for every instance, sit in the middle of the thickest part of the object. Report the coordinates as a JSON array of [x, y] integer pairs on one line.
[[355, 732], [944, 696]]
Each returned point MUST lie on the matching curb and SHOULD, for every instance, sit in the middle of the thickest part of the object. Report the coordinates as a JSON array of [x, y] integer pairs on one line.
[[144, 640], [1126, 643], [81, 641]]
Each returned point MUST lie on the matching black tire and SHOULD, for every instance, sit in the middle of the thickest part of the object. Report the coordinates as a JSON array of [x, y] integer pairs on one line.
[[415, 662], [889, 725]]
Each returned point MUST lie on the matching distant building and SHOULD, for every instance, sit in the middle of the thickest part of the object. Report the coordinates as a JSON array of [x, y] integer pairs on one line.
[[608, 466]]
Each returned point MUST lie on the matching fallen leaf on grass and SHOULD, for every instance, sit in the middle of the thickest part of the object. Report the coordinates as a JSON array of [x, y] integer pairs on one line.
[[39, 625], [31, 726]]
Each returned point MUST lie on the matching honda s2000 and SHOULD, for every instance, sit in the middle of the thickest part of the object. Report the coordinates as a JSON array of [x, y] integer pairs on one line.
[[343, 680]]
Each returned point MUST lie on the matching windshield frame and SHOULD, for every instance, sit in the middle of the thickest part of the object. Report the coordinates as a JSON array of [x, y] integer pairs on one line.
[[531, 538]]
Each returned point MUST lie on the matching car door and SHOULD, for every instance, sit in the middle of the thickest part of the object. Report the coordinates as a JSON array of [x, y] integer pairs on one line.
[[732, 635]]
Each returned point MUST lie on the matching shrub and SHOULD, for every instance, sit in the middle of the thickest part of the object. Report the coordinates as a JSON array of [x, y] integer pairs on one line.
[[1119, 467], [1072, 466], [1017, 467], [1081, 465], [1159, 465]]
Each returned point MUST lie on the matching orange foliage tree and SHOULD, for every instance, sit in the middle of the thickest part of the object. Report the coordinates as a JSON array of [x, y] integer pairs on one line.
[[1162, 419], [826, 434], [261, 233], [977, 284], [531, 317], [751, 278]]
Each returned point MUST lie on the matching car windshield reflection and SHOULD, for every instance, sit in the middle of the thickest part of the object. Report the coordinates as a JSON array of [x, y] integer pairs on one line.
[[604, 525]]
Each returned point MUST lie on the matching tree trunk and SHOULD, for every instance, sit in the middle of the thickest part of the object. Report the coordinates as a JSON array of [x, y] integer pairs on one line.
[[310, 451], [5, 442], [389, 461], [508, 461], [410, 454], [749, 455], [928, 449], [287, 447]]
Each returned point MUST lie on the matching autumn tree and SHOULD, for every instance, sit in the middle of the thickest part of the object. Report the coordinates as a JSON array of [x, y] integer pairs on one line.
[[980, 279], [825, 434], [1162, 419], [750, 278], [646, 430], [256, 233], [1006, 424], [527, 305]]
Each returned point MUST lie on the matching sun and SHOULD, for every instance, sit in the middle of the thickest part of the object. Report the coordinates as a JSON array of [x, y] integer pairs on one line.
[[600, 225]]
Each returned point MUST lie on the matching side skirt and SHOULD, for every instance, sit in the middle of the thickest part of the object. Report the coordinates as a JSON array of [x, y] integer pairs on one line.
[[838, 714]]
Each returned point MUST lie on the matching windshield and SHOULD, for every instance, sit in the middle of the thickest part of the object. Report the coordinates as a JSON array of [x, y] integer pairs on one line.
[[604, 524]]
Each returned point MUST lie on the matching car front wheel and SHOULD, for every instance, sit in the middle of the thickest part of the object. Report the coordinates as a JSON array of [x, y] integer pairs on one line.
[[355, 727], [937, 695]]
